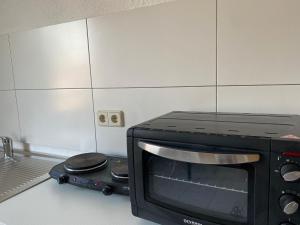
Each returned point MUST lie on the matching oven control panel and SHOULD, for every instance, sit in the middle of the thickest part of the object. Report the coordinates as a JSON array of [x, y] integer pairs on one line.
[[285, 188]]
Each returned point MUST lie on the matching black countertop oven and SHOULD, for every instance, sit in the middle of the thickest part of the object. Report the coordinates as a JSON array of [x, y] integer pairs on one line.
[[216, 169]]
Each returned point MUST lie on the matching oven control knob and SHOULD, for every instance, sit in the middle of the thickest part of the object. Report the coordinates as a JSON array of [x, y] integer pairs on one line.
[[63, 179], [290, 172], [289, 204], [107, 190]]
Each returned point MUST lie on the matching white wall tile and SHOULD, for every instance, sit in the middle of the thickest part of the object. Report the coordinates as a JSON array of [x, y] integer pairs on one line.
[[6, 78], [141, 104], [258, 42], [172, 44], [259, 99], [52, 57], [58, 118], [8, 115]]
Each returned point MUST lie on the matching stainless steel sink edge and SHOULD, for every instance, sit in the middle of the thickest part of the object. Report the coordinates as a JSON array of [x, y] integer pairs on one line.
[[23, 187], [24, 171]]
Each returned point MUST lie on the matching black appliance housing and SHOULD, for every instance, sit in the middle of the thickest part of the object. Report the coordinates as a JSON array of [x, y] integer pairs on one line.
[[99, 180], [216, 169]]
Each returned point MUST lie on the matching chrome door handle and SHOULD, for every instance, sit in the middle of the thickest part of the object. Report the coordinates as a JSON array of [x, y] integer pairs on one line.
[[198, 157]]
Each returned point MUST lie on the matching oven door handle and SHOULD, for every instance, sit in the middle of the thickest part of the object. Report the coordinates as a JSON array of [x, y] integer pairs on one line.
[[198, 157]]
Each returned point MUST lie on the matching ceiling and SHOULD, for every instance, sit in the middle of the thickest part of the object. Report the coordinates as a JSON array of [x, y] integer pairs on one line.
[[17, 15]]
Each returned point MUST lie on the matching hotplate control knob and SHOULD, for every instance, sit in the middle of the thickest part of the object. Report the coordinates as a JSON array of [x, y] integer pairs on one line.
[[63, 179], [289, 204], [290, 172], [107, 190]]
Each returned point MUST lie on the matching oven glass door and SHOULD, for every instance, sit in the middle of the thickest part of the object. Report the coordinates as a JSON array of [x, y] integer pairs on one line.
[[211, 192]]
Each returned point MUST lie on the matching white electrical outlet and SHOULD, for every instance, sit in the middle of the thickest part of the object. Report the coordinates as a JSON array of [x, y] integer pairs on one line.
[[102, 118], [115, 119]]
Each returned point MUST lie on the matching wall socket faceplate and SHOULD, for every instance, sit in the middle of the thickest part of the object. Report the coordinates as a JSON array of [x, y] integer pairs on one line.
[[116, 118], [102, 118], [110, 118]]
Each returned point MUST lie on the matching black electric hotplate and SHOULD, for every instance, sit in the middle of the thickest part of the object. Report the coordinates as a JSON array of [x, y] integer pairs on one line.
[[94, 171]]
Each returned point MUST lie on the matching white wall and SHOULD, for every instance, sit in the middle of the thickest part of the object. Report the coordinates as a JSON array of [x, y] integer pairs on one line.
[[259, 56], [175, 56]]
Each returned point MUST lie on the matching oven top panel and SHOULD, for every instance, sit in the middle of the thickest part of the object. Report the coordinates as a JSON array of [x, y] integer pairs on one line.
[[259, 126]]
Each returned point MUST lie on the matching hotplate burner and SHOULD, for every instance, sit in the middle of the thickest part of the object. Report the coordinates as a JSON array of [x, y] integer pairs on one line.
[[108, 174], [86, 162], [119, 170]]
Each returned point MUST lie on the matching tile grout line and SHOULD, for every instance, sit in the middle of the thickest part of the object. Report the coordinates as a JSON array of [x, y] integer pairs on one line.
[[15, 90], [41, 89], [256, 85], [158, 87], [7, 90], [217, 56], [91, 79]]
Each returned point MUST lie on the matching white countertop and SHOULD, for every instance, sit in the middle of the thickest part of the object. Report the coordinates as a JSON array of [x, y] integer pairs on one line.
[[52, 204]]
